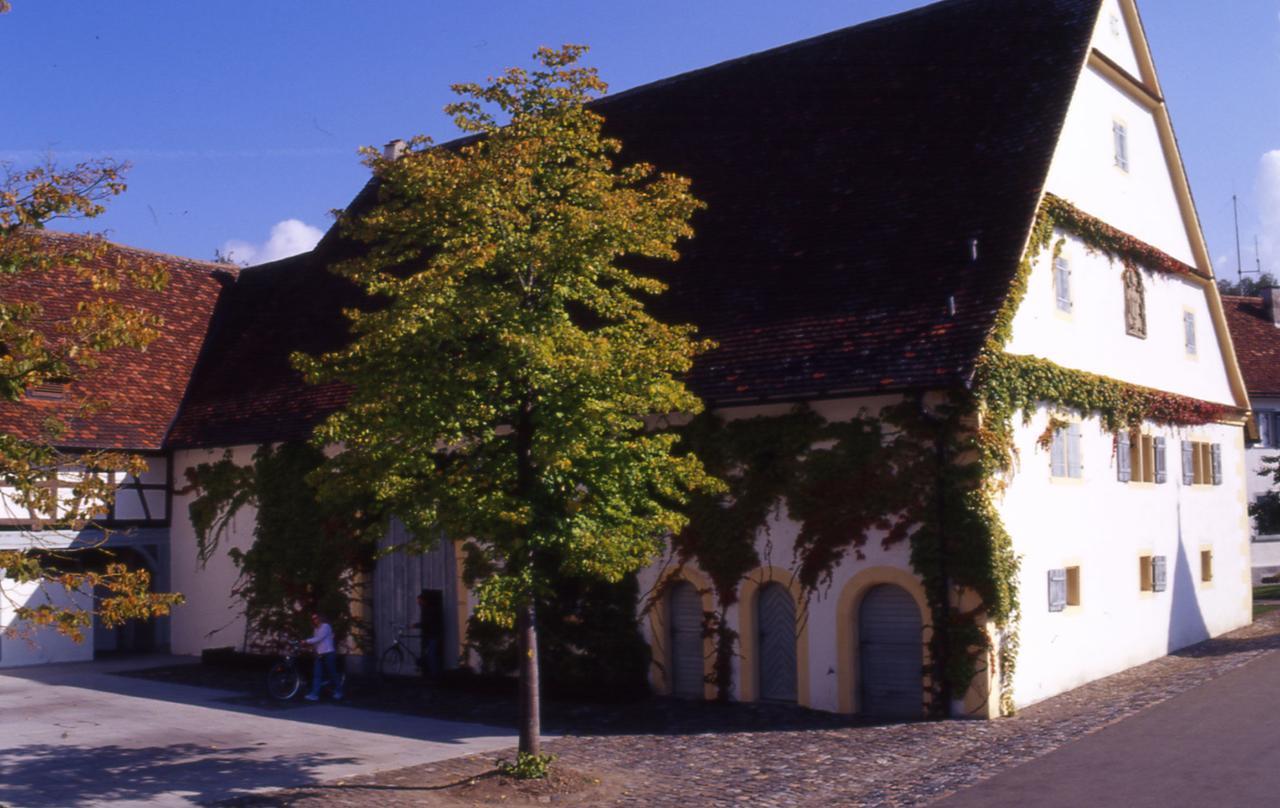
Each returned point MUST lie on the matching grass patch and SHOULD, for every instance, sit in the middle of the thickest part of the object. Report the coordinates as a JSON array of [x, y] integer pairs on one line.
[[1268, 592], [1260, 609]]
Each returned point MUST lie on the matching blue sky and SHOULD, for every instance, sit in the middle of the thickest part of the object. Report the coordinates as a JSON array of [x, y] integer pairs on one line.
[[238, 116]]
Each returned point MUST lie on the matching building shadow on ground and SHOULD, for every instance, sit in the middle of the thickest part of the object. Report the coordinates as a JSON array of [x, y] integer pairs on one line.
[[58, 776]]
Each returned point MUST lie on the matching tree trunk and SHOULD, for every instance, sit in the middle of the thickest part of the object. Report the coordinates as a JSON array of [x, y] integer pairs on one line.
[[530, 702]]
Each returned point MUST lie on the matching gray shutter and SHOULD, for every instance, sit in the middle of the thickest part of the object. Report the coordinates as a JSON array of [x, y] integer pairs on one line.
[[1188, 463], [1189, 326], [1058, 453], [1124, 468], [1162, 465], [1159, 574], [1062, 283], [1073, 450], [1216, 450], [1057, 590]]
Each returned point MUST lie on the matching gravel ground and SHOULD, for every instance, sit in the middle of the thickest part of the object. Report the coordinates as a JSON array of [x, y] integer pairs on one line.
[[737, 757]]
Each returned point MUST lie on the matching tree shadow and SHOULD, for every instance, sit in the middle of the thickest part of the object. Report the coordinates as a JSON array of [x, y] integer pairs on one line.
[[54, 775]]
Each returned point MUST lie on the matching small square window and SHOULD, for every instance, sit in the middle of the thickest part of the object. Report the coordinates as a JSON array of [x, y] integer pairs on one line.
[[1146, 581], [1206, 566], [1073, 586], [1120, 134]]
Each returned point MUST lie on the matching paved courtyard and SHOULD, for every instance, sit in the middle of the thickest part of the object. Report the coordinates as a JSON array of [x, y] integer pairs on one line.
[[78, 735], [892, 765]]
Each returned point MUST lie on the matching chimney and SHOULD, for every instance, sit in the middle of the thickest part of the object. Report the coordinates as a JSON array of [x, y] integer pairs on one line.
[[1270, 299], [393, 150]]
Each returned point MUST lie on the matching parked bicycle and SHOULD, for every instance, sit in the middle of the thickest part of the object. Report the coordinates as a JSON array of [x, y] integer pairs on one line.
[[292, 674], [392, 661]]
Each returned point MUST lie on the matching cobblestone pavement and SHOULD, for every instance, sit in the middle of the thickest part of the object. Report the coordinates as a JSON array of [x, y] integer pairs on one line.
[[891, 765]]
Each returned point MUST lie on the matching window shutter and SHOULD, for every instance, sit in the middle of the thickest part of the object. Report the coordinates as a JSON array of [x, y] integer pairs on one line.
[[1162, 473], [1073, 450], [1062, 283], [1217, 463], [1264, 427], [1189, 326], [1188, 463], [1058, 453], [1057, 590], [1159, 574], [1124, 467], [1122, 145]]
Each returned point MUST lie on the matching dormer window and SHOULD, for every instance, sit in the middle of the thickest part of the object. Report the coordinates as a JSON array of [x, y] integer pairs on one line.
[[1120, 134], [48, 391]]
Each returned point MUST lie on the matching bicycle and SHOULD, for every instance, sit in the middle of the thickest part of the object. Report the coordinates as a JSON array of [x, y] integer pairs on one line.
[[393, 659], [290, 675]]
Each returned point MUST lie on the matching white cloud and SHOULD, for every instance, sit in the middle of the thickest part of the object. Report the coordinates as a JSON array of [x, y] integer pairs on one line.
[[1269, 211], [290, 237]]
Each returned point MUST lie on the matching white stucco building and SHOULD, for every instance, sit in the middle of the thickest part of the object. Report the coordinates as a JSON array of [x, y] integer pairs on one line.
[[871, 196]]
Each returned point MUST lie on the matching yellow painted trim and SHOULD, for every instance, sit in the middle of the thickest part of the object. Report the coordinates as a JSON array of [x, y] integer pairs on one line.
[[847, 606], [748, 635], [661, 655], [1149, 82]]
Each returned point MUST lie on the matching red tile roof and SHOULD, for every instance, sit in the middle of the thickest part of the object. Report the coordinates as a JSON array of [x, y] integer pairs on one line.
[[1257, 342], [845, 177], [141, 390]]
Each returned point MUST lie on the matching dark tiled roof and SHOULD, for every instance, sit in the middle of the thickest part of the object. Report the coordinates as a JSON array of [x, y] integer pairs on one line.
[[1257, 342], [141, 390], [845, 177]]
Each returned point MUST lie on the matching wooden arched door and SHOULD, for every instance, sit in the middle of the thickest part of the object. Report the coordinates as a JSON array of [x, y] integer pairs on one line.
[[684, 638], [776, 643], [890, 651]]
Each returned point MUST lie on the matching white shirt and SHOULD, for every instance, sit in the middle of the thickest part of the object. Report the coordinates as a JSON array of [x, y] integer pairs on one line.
[[322, 639]]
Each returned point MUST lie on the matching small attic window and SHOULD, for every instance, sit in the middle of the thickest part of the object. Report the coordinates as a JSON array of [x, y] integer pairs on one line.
[[1120, 134], [48, 391]]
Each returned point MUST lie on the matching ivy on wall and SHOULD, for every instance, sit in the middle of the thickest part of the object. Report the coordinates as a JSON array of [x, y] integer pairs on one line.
[[310, 551], [931, 476]]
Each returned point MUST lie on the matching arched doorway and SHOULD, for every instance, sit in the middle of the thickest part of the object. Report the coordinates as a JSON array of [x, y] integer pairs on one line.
[[890, 653], [776, 643], [684, 617], [131, 636]]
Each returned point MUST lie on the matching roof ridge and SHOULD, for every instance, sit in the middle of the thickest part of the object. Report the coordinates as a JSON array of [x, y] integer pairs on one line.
[[232, 269], [786, 47]]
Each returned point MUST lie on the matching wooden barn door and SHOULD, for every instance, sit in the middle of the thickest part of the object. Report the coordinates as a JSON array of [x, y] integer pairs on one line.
[[684, 616], [776, 618], [891, 653]]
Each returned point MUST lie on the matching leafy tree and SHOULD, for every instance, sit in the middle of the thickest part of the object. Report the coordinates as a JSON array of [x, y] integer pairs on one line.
[[509, 386], [1265, 510], [42, 344], [1248, 287]]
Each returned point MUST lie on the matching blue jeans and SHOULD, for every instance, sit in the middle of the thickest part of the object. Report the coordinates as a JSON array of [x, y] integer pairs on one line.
[[326, 671]]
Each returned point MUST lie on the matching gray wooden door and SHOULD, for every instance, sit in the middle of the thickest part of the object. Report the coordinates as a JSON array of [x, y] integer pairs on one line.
[[891, 653], [684, 616], [776, 618]]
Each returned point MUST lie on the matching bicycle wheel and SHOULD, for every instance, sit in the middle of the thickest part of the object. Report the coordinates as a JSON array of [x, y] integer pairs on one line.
[[283, 681], [391, 662]]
